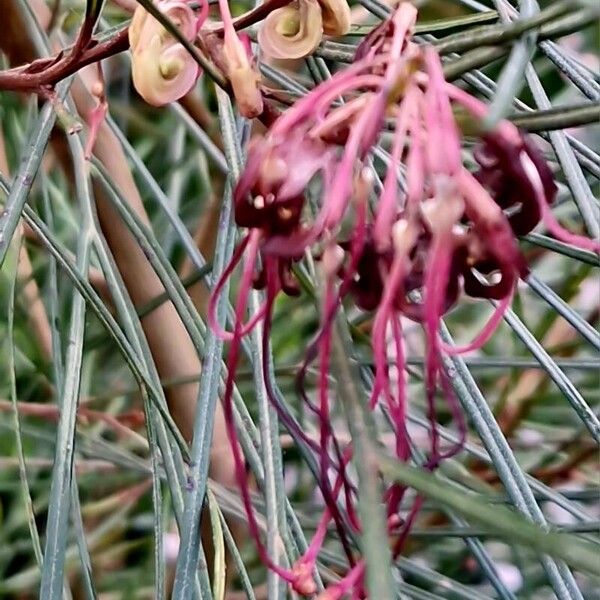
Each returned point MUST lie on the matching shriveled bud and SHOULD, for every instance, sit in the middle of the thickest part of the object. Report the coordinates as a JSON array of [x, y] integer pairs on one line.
[[243, 76], [293, 31], [336, 17], [162, 69]]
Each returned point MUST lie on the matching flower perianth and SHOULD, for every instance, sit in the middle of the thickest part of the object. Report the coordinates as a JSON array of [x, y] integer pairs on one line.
[[366, 128], [295, 30], [332, 259], [517, 176], [305, 565], [241, 304], [440, 213], [386, 320], [388, 204], [443, 140]]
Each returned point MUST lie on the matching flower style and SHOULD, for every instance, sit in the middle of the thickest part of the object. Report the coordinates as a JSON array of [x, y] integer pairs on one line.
[[296, 30], [408, 246], [162, 69]]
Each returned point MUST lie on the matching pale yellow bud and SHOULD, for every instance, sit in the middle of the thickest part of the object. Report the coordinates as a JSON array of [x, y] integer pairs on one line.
[[293, 31], [162, 69]]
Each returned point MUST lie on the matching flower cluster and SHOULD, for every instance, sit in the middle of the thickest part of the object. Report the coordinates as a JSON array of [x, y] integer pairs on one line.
[[296, 30], [405, 246]]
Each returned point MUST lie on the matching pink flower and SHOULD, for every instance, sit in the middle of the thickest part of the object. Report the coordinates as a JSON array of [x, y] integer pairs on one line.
[[409, 250]]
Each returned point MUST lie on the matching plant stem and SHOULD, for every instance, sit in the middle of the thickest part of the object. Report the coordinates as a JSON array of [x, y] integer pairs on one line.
[[379, 581], [561, 117]]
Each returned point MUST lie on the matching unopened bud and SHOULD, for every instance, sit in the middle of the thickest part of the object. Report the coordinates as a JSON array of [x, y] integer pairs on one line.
[[243, 76], [293, 31], [162, 69], [336, 17]]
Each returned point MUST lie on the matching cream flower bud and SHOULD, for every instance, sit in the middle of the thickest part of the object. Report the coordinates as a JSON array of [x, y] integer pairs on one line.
[[336, 17], [162, 69], [293, 31]]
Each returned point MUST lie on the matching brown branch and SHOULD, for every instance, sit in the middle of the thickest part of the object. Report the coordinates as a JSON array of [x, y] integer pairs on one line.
[[197, 110], [84, 415], [41, 74], [95, 276], [47, 72], [36, 311], [564, 470], [205, 238]]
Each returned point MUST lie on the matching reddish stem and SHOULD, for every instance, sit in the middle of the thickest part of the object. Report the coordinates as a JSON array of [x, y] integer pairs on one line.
[[31, 79]]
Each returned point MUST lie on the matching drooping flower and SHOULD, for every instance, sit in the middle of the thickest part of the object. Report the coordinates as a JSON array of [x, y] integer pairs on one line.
[[162, 69], [503, 175], [407, 247]]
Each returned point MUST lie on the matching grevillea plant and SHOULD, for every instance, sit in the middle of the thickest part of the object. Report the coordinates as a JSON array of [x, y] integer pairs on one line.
[[409, 246], [373, 206]]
